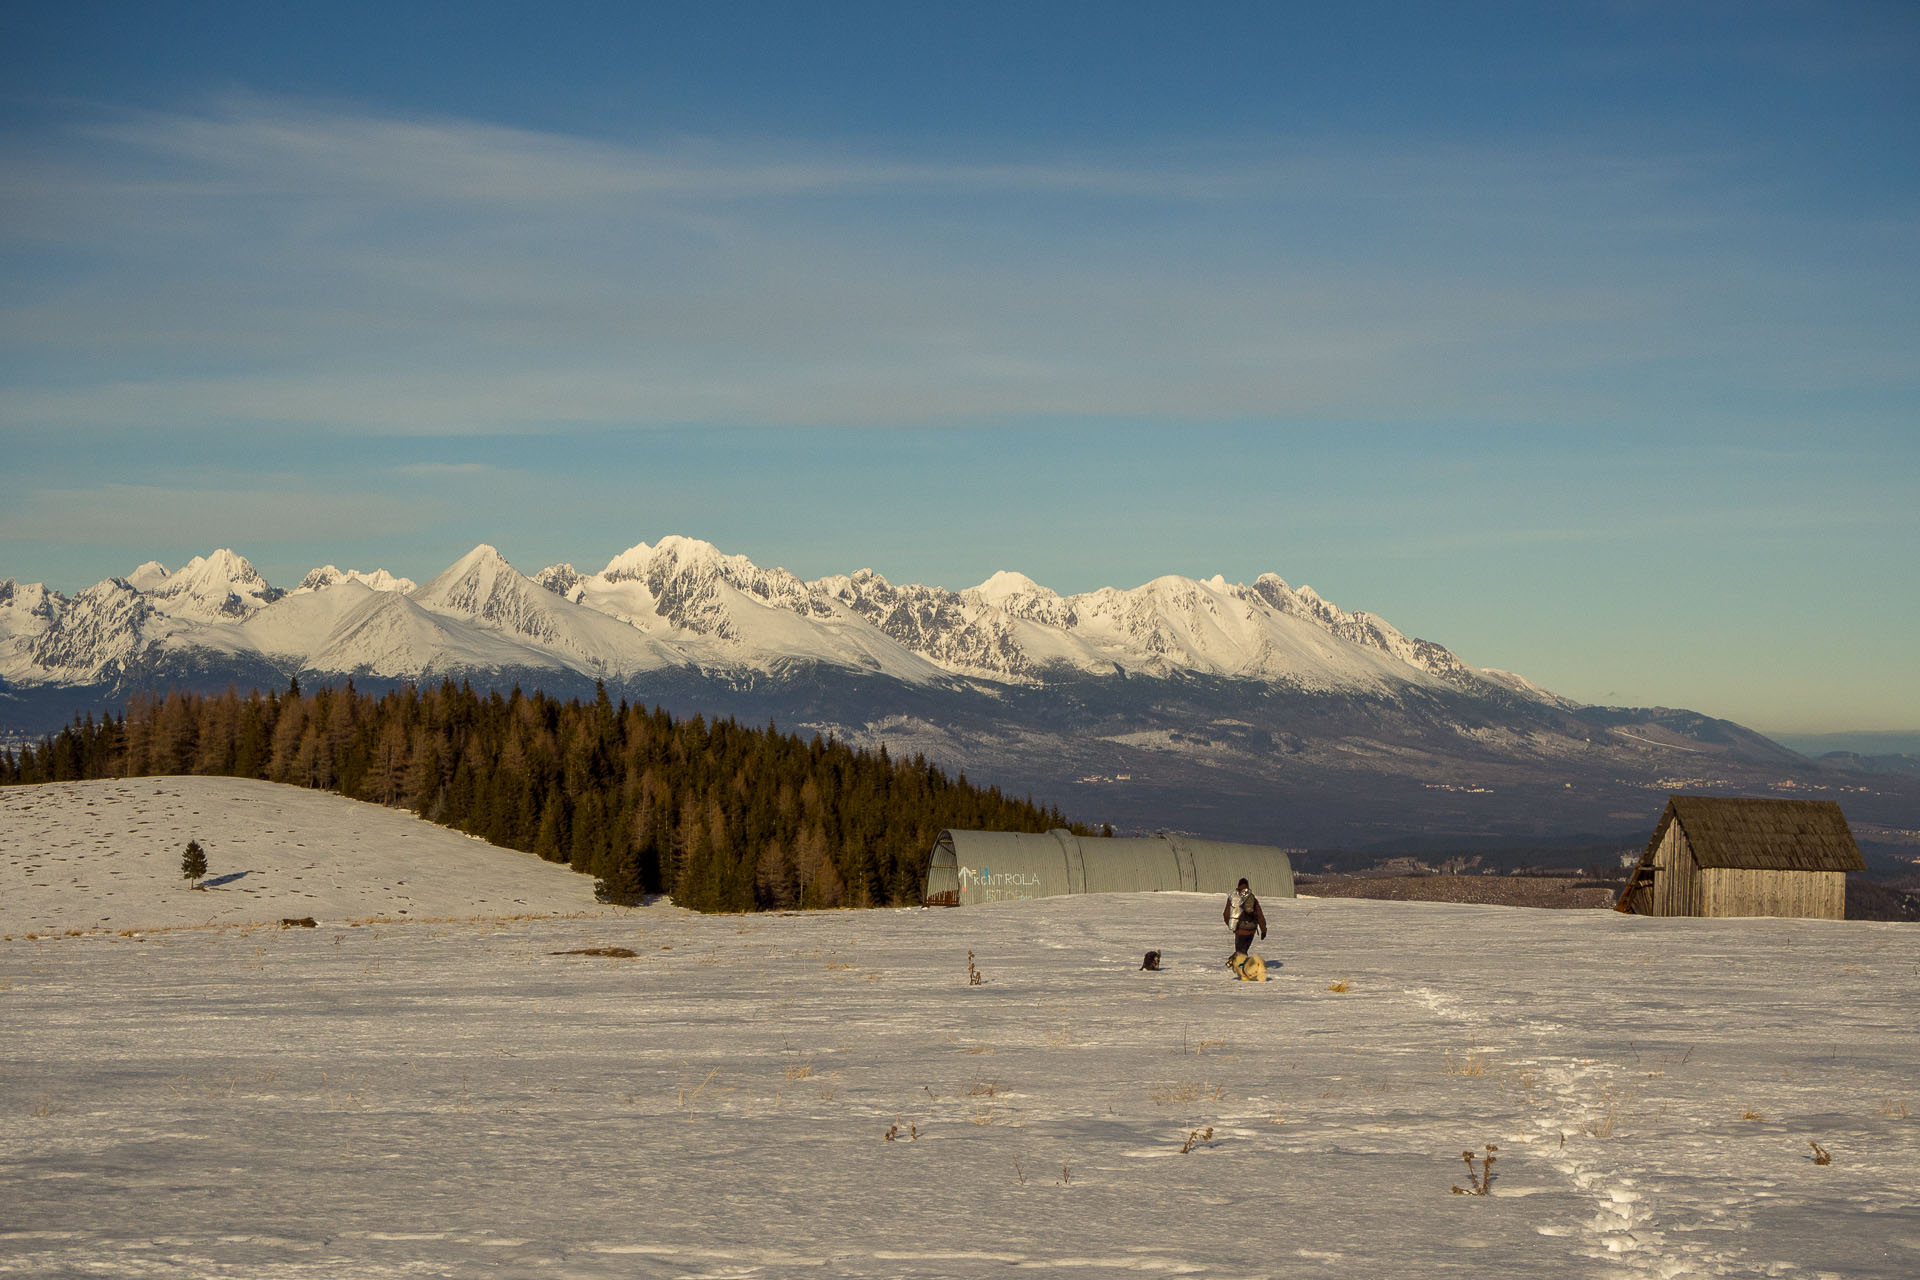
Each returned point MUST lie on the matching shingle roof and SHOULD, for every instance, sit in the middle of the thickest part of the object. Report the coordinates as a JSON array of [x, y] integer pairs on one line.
[[1763, 834]]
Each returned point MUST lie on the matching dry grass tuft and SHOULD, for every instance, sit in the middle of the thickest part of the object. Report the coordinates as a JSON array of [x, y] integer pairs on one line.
[[1339, 988], [1753, 1115], [1820, 1154], [1186, 1091], [1603, 1126], [688, 1099], [1472, 1063]]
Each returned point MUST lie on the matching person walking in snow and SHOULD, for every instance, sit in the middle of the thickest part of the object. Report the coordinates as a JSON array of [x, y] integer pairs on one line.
[[1243, 915]]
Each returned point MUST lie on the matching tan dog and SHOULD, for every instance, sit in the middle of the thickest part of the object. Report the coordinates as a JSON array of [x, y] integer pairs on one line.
[[1251, 968]]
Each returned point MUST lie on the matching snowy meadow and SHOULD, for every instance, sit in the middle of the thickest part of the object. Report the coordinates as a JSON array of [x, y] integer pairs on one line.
[[510, 1080]]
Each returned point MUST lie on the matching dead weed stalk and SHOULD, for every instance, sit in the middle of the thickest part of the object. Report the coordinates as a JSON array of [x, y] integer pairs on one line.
[[1479, 1173]]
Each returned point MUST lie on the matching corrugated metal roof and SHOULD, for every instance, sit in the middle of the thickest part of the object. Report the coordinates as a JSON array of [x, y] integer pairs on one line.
[[1757, 834]]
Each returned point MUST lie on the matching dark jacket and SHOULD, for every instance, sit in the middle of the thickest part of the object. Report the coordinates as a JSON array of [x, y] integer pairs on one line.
[[1251, 916]]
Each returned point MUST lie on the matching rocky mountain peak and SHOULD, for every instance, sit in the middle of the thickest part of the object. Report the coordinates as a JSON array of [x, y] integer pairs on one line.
[[147, 577], [470, 583], [27, 597], [562, 579], [221, 585], [330, 576], [684, 601]]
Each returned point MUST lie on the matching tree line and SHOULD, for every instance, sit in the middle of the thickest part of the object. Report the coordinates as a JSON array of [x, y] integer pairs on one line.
[[722, 816]]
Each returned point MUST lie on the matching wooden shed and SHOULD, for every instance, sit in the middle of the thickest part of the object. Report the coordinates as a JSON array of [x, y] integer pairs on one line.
[[1730, 856], [969, 867]]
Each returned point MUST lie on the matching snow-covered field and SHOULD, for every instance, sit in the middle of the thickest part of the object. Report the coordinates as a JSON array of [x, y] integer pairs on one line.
[[106, 855], [829, 1094]]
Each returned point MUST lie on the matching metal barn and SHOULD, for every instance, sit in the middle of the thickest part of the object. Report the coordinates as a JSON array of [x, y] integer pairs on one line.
[[970, 867], [1726, 856]]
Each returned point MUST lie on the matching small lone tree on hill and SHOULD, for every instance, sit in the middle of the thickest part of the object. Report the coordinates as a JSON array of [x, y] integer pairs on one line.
[[193, 863]]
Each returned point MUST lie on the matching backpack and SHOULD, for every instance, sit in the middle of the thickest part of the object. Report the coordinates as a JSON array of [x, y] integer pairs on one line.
[[1248, 920]]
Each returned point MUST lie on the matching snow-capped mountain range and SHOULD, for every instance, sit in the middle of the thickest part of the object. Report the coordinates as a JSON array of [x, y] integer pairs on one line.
[[684, 604], [1244, 711]]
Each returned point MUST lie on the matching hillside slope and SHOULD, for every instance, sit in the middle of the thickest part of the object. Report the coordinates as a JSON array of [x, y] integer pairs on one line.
[[106, 855]]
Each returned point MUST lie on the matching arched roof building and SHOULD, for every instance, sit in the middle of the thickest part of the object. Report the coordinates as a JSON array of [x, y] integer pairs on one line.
[[970, 867]]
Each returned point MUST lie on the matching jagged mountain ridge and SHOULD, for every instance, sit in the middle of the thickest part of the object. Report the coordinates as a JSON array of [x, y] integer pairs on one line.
[[330, 575], [684, 603], [1258, 711]]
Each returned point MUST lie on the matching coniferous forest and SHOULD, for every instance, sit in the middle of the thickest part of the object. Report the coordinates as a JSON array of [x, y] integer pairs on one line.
[[723, 817]]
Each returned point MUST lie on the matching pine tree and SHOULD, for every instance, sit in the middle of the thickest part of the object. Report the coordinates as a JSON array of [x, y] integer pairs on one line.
[[623, 883], [722, 816], [193, 863]]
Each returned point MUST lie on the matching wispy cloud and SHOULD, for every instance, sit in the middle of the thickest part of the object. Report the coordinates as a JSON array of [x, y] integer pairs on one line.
[[272, 263], [259, 147], [439, 470], [160, 515]]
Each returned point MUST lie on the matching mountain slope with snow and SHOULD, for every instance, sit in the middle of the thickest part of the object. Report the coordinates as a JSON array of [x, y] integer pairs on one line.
[[329, 575], [1249, 711], [106, 855], [213, 588], [684, 604]]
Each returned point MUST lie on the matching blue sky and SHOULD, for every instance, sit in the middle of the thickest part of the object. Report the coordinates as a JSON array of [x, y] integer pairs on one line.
[[1582, 339]]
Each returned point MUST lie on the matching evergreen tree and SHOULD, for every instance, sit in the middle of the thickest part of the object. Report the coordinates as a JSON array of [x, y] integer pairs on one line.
[[723, 816], [193, 863], [622, 884]]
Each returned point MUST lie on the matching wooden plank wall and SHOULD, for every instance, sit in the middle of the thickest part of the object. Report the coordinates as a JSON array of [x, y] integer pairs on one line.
[[1676, 880], [1733, 891]]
